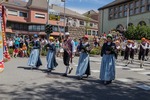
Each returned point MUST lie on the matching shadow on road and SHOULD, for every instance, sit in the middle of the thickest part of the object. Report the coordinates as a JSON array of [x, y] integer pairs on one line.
[[66, 89]]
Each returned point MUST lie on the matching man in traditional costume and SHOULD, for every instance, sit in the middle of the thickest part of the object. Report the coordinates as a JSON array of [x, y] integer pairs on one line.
[[123, 47], [34, 60], [147, 50], [107, 70], [132, 52], [127, 52], [84, 62], [51, 58], [117, 48], [69, 52], [142, 51]]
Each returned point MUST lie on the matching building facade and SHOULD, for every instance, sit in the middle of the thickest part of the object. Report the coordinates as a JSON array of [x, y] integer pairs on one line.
[[30, 17], [120, 14]]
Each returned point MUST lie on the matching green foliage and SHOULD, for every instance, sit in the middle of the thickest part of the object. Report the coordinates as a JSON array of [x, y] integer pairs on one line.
[[137, 32], [95, 51], [10, 51], [43, 52]]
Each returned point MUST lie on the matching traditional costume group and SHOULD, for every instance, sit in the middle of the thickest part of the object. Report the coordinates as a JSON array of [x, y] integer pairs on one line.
[[109, 52]]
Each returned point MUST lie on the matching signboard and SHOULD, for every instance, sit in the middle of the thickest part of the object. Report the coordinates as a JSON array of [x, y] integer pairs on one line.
[[54, 15]]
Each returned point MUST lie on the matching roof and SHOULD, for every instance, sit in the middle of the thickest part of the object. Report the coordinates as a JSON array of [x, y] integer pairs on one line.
[[90, 12], [70, 12], [38, 4], [16, 4], [116, 2]]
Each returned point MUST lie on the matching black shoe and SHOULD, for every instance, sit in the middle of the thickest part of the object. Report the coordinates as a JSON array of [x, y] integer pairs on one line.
[[80, 77], [70, 70], [107, 82], [49, 70], [87, 76], [64, 74]]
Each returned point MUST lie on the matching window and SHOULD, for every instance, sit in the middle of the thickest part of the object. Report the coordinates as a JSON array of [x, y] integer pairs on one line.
[[91, 24], [120, 14], [143, 2], [130, 24], [13, 12], [116, 9], [116, 15], [81, 22], [38, 28], [111, 16], [137, 3], [23, 14], [131, 12], [125, 7], [30, 28], [136, 10], [42, 16], [142, 23], [131, 5], [125, 13], [42, 27], [120, 8], [62, 19], [89, 32], [94, 33], [148, 7], [111, 10], [142, 9]]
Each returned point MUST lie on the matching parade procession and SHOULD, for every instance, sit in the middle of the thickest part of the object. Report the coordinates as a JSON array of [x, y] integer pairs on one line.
[[61, 50]]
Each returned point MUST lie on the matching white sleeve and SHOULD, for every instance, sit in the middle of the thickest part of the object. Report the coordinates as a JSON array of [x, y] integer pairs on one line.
[[73, 46], [144, 47]]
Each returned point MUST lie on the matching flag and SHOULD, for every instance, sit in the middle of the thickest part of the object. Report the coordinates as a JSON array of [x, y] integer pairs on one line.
[[6, 53]]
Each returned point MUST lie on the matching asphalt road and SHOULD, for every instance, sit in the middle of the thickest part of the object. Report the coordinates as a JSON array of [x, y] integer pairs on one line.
[[19, 82]]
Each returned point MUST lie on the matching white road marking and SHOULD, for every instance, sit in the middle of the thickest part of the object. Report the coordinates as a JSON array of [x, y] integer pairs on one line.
[[136, 69], [119, 67], [144, 87], [124, 80], [144, 73], [95, 71]]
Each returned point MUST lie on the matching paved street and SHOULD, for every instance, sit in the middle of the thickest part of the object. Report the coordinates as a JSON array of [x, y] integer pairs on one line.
[[19, 82]]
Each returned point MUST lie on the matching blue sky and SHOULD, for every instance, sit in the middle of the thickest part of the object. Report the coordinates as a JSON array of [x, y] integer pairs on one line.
[[82, 6]]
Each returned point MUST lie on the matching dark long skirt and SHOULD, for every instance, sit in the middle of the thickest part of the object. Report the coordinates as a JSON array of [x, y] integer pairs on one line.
[[66, 58]]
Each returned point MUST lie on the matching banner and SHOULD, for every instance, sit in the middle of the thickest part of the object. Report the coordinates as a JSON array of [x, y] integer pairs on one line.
[[54, 15], [1, 45]]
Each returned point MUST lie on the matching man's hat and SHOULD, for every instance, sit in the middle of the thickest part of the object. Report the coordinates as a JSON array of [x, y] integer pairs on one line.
[[85, 37], [35, 36], [67, 33], [51, 38], [109, 36]]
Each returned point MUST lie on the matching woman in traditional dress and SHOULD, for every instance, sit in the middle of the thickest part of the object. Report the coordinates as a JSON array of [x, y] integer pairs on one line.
[[51, 59], [84, 62], [142, 52], [34, 60], [107, 70]]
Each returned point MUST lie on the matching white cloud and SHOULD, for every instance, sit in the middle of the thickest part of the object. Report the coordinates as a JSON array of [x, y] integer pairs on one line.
[[79, 10]]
